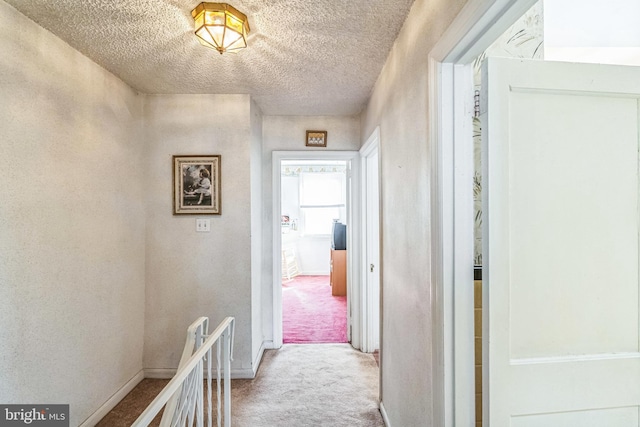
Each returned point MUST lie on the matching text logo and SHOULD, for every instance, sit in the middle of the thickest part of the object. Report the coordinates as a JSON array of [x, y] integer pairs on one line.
[[34, 415]]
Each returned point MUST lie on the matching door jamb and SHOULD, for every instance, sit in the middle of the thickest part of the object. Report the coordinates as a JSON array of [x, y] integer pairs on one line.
[[477, 25], [372, 144], [353, 238]]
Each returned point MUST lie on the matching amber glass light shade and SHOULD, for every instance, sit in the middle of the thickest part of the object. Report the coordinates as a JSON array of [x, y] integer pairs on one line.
[[220, 26]]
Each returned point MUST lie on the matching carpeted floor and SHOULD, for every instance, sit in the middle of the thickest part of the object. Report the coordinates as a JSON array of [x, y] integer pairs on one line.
[[314, 385], [310, 314]]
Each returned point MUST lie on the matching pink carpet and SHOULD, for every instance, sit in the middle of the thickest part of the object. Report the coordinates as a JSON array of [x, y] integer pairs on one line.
[[310, 314]]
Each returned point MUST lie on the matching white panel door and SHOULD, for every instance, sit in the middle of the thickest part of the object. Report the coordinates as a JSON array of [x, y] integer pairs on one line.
[[561, 343]]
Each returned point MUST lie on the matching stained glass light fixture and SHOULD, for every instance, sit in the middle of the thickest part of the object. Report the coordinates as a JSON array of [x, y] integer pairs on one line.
[[221, 27]]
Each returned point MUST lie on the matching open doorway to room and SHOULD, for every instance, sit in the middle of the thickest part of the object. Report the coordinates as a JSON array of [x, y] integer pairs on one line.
[[523, 39], [356, 322], [362, 300], [313, 250]]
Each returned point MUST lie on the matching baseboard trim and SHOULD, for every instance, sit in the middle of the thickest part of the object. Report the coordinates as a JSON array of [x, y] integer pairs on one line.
[[168, 373], [256, 362], [113, 400], [242, 374], [315, 273], [160, 373], [385, 418], [247, 373]]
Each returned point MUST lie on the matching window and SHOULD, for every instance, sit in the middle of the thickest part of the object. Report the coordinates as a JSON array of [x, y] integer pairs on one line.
[[322, 199]]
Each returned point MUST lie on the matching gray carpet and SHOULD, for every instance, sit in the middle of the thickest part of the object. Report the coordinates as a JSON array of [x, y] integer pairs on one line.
[[309, 385], [305, 385]]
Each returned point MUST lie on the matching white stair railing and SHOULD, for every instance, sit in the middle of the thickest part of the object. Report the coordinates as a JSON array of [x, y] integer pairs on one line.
[[184, 394]]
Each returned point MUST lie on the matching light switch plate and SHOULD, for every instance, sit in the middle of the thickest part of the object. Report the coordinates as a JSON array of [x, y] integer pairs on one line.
[[203, 225]]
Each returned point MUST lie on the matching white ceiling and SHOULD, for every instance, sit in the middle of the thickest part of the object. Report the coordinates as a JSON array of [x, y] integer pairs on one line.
[[305, 57]]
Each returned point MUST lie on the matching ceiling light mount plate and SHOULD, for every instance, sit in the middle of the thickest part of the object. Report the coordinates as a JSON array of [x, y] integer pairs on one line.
[[220, 26]]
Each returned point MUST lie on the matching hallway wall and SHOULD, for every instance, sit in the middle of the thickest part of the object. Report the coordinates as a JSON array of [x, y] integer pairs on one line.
[[399, 105], [190, 274], [71, 224], [257, 335]]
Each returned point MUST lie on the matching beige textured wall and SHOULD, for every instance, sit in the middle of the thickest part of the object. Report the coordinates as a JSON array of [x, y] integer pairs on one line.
[[191, 274], [287, 133], [71, 224], [257, 254], [399, 105]]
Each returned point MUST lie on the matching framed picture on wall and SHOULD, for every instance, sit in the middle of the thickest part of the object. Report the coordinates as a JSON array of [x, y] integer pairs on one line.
[[196, 185], [316, 138]]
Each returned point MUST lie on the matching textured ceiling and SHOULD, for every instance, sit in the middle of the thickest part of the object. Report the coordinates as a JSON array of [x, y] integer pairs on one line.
[[305, 57]]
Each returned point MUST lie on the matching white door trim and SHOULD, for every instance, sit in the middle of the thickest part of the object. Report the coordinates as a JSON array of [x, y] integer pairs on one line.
[[477, 25], [372, 142], [370, 314], [353, 238]]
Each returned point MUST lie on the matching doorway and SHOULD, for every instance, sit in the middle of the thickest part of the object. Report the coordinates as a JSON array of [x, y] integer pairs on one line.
[[451, 102], [313, 224], [350, 216], [523, 39]]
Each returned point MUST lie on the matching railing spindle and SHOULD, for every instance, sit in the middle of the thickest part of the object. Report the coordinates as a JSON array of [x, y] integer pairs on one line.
[[185, 391]]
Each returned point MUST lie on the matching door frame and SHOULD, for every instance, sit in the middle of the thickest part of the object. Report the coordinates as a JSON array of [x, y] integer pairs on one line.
[[477, 25], [353, 238], [371, 313]]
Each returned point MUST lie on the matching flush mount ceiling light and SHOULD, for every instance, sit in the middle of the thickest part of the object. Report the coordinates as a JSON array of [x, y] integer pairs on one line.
[[221, 27]]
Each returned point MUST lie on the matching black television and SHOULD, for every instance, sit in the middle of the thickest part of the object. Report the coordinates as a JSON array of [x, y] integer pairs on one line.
[[338, 236]]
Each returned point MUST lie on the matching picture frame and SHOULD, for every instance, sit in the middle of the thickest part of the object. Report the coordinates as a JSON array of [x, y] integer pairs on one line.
[[316, 138], [196, 185]]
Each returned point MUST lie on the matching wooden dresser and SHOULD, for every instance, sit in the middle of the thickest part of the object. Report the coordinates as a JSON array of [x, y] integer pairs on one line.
[[338, 277]]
